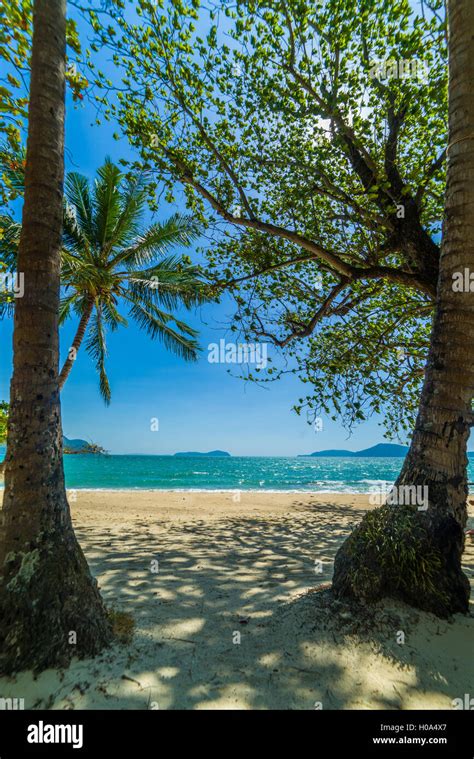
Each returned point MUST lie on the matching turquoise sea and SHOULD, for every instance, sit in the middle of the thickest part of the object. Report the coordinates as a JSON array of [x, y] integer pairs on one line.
[[320, 475], [242, 473]]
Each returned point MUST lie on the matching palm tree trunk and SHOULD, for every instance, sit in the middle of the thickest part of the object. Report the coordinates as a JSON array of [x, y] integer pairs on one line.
[[50, 607], [76, 344], [400, 549]]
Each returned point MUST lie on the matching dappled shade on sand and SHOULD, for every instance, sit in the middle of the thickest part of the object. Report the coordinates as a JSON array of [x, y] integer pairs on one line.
[[227, 568]]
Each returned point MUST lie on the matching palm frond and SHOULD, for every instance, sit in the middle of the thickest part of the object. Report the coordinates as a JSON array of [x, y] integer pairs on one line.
[[7, 304], [78, 195], [157, 324], [10, 231], [12, 168], [65, 305], [132, 203], [112, 317], [96, 347], [171, 283], [87, 277], [159, 239], [74, 235], [107, 205]]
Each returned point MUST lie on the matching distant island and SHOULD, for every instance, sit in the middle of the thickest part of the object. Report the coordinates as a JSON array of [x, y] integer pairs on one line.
[[381, 450], [199, 454], [81, 446]]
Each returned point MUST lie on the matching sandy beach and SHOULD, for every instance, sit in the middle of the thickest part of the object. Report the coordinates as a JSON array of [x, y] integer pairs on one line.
[[218, 589]]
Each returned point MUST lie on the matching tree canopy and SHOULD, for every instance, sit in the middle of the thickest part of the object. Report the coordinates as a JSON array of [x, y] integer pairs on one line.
[[15, 51], [16, 29], [311, 139]]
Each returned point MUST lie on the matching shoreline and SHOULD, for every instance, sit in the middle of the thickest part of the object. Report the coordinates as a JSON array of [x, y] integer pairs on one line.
[[254, 491], [231, 491]]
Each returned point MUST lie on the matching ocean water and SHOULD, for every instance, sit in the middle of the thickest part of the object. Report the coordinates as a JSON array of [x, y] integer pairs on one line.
[[235, 473], [319, 475]]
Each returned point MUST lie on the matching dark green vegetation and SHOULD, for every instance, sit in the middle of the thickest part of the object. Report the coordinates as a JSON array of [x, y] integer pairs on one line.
[[194, 454], [404, 553], [81, 446], [381, 449], [3, 421]]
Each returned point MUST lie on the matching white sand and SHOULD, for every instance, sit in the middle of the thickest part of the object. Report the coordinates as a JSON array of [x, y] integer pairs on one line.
[[242, 568]]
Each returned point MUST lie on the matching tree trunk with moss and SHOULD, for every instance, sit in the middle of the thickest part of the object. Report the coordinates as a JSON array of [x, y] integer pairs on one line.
[[401, 549], [50, 606]]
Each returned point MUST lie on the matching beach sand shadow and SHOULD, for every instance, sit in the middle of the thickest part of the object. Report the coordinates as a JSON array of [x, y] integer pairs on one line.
[[227, 622]]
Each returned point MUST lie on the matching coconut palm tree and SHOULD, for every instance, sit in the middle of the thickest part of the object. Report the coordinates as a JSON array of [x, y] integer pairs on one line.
[[46, 589], [112, 263]]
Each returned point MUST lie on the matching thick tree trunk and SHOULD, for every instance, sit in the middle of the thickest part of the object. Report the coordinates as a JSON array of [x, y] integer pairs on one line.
[[403, 550], [76, 344], [50, 607]]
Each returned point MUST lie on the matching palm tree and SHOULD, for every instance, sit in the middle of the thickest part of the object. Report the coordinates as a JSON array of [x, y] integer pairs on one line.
[[46, 589], [109, 261]]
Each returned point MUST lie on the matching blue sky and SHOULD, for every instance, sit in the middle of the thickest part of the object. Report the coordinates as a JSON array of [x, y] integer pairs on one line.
[[199, 406]]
